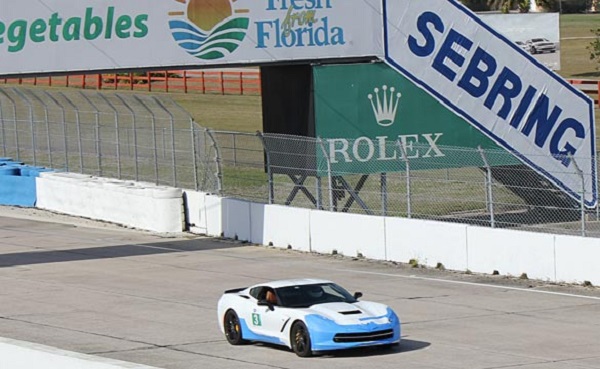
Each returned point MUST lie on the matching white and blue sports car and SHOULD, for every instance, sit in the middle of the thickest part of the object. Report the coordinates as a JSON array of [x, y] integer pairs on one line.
[[306, 315]]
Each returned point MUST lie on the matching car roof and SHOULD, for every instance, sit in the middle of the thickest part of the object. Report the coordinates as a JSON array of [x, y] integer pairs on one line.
[[292, 282]]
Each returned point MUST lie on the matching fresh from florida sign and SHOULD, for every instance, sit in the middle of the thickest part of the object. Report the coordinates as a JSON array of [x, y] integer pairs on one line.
[[497, 87], [71, 35], [372, 119]]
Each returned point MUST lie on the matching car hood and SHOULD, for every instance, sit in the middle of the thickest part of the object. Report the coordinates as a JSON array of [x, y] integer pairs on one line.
[[356, 313]]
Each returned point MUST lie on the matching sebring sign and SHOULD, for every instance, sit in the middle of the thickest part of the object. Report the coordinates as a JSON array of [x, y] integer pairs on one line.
[[497, 87]]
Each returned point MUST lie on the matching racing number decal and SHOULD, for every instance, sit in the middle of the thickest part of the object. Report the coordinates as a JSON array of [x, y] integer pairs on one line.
[[256, 319]]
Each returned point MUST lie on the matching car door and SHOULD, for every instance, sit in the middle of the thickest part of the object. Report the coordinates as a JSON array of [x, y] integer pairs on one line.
[[266, 321]]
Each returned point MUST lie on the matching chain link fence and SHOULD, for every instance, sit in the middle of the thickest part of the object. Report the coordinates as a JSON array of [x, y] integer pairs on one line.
[[475, 186], [150, 138], [125, 136]]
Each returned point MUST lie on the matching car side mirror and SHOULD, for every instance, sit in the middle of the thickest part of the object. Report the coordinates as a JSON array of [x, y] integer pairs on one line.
[[265, 303], [357, 295]]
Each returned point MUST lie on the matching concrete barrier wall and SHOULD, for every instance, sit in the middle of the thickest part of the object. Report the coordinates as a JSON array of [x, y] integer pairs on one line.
[[456, 246], [511, 252], [17, 183], [292, 228], [348, 234], [577, 259], [427, 242], [133, 204]]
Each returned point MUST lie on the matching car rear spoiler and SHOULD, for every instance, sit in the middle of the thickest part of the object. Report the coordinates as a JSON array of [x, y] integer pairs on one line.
[[236, 290]]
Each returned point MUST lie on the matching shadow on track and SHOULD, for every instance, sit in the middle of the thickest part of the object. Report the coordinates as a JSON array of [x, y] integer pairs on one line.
[[111, 252]]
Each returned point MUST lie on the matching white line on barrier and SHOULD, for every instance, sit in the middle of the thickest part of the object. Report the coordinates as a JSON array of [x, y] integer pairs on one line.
[[471, 284]]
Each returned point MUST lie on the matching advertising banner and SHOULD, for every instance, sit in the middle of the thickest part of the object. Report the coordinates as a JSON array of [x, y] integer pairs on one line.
[[362, 110], [496, 86], [71, 35]]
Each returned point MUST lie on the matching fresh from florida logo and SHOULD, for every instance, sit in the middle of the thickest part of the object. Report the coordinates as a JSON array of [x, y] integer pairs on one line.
[[209, 29]]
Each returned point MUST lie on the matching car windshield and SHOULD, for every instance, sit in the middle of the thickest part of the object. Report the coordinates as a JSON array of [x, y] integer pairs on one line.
[[311, 294]]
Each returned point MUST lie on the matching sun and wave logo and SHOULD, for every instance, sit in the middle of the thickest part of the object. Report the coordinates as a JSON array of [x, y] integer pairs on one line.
[[209, 29]]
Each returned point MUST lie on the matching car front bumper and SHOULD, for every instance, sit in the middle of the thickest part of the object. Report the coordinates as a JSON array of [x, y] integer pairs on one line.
[[327, 335]]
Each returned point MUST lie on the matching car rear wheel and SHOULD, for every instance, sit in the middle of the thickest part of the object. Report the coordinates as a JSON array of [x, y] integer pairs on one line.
[[301, 340], [233, 329]]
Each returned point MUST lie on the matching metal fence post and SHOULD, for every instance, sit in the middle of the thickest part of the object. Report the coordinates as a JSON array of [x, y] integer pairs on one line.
[[404, 158], [194, 154], [384, 194], [78, 123], [117, 134], [47, 121], [489, 189], [269, 170], [234, 149], [155, 147], [172, 122], [98, 138], [582, 203], [29, 104], [2, 130], [329, 175], [14, 105], [217, 161], [135, 146], [64, 127]]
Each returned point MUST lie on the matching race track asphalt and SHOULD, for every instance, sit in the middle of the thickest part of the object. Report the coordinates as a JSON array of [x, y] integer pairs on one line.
[[117, 293]]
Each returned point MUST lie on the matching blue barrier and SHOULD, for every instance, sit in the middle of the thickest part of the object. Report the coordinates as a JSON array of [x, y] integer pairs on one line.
[[17, 183]]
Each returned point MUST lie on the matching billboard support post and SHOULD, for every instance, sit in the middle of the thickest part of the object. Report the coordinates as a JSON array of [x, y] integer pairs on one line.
[[404, 158], [384, 194], [329, 179], [580, 173], [489, 187], [319, 193], [268, 163]]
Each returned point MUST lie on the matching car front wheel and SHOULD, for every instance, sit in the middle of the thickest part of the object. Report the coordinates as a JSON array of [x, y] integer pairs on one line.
[[233, 329], [301, 340]]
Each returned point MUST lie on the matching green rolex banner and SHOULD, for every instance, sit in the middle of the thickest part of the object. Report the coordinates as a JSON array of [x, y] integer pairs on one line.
[[363, 110]]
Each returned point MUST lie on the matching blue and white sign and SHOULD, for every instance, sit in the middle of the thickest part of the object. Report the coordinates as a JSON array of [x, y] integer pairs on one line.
[[496, 86]]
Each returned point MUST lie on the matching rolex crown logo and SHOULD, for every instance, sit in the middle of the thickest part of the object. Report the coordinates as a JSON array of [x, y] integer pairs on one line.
[[385, 110]]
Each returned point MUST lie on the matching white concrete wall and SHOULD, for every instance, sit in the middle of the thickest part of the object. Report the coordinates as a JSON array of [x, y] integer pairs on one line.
[[348, 234], [236, 219], [577, 259], [282, 226], [511, 252], [428, 242], [457, 246], [133, 204]]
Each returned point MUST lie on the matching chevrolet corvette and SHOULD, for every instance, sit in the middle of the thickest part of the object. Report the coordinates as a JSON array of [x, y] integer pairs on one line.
[[307, 316]]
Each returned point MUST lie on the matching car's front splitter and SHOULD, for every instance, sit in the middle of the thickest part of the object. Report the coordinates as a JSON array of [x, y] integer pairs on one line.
[[323, 332]]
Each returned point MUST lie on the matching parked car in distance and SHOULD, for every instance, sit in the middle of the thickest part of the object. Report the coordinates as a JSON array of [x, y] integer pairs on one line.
[[522, 45], [540, 45]]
